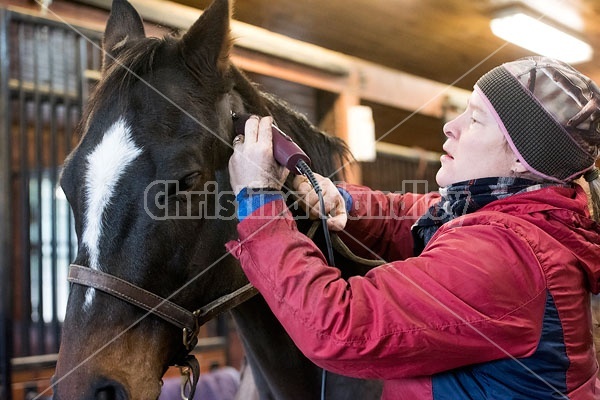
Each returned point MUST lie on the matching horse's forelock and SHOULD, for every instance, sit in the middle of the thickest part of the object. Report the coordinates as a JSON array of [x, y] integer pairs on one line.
[[109, 100], [131, 65]]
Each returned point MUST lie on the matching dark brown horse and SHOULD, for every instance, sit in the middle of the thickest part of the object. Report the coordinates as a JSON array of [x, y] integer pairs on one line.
[[150, 192]]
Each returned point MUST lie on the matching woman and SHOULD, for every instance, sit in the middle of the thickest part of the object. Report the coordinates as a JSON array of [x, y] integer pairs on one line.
[[486, 293]]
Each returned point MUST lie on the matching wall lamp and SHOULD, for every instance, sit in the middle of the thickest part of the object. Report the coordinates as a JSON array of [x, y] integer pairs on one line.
[[361, 133], [520, 27]]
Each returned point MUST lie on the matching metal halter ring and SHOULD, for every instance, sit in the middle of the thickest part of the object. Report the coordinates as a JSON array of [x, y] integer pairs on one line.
[[238, 139]]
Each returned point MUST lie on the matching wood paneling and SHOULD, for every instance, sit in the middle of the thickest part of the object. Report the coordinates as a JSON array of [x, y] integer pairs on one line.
[[441, 40]]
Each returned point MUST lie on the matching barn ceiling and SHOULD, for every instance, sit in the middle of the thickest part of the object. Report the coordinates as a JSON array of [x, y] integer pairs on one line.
[[449, 41]]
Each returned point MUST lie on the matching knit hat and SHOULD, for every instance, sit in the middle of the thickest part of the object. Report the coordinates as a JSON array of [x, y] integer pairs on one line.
[[549, 113]]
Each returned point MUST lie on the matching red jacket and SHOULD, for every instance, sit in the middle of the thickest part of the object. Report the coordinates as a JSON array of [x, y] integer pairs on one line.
[[496, 306]]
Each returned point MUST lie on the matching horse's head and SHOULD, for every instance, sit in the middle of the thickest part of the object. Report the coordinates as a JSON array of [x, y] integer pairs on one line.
[[143, 186]]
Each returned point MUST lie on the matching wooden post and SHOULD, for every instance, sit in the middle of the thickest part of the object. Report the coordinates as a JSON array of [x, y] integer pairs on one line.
[[346, 99]]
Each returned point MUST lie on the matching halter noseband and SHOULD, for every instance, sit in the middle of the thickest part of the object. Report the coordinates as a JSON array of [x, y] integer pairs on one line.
[[189, 322]]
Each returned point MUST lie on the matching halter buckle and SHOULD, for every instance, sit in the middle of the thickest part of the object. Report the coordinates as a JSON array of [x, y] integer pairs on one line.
[[189, 339]]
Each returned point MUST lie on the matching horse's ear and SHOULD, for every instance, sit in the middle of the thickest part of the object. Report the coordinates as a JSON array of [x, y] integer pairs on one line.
[[208, 42], [124, 24]]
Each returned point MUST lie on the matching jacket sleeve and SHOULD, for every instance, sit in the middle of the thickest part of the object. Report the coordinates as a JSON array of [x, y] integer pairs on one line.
[[379, 224], [461, 302]]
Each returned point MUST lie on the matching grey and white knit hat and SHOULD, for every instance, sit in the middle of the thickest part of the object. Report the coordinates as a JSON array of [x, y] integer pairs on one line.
[[549, 113]]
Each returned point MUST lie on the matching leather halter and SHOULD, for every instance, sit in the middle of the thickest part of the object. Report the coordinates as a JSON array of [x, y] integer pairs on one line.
[[188, 321]]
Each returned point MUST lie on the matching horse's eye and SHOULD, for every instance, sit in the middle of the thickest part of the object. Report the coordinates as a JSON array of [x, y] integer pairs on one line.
[[188, 182]]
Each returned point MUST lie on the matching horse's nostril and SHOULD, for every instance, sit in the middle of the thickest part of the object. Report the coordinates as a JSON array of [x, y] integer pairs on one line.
[[106, 394], [110, 390]]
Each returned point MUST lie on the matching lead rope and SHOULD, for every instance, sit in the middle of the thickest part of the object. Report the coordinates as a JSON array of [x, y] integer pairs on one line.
[[341, 248], [190, 373]]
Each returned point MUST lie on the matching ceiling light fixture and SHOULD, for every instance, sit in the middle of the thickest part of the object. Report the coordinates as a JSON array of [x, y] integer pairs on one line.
[[517, 26]]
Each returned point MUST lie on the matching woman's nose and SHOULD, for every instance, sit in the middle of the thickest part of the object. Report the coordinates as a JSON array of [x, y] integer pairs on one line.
[[450, 129]]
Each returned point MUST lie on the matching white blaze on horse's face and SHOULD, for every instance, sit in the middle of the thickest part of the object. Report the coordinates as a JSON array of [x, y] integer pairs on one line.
[[105, 165]]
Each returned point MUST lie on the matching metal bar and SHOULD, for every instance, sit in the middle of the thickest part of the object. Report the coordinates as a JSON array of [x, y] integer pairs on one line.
[[35, 98], [44, 90], [6, 277], [38, 167], [25, 214], [83, 86], [69, 43], [34, 18], [96, 63], [55, 328]]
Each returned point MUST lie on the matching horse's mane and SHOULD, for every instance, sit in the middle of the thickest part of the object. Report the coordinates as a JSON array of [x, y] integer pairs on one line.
[[329, 154]]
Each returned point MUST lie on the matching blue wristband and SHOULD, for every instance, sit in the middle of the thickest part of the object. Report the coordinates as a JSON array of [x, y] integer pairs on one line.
[[347, 198], [250, 200]]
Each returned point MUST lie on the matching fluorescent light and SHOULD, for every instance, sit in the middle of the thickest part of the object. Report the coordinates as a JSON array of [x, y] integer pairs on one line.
[[533, 34], [361, 133]]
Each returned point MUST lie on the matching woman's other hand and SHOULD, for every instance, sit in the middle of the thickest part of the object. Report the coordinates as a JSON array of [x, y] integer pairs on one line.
[[335, 206]]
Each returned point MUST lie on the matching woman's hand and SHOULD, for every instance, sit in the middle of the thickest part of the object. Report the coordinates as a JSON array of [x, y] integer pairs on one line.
[[335, 206], [252, 164]]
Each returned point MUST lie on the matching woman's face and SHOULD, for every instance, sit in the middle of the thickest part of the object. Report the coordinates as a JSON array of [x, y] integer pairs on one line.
[[475, 148]]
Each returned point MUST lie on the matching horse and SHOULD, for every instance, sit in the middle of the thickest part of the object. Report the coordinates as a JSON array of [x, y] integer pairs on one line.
[[149, 189]]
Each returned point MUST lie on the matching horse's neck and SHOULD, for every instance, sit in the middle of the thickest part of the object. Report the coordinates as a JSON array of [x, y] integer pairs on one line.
[[278, 367]]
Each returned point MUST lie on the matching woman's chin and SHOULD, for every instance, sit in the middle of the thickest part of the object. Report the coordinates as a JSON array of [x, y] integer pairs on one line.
[[442, 178]]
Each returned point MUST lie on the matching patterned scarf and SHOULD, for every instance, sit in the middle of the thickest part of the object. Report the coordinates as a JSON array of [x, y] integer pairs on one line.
[[466, 197]]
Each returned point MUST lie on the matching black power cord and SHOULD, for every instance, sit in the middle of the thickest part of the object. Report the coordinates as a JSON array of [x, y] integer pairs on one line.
[[306, 171]]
